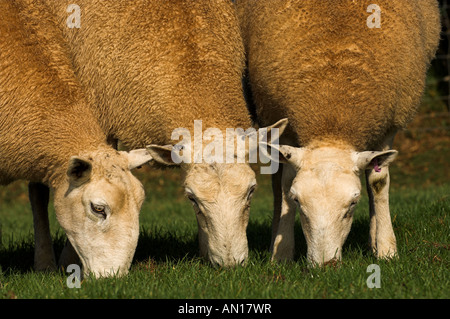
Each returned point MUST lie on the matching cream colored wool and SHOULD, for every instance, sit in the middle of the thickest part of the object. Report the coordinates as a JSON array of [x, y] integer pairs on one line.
[[319, 64], [152, 66]]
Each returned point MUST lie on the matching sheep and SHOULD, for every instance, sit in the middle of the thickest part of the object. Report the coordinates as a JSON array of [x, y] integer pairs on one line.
[[49, 136], [348, 75], [149, 68]]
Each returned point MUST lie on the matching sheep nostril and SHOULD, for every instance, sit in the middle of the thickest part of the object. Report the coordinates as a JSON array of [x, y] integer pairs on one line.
[[216, 264]]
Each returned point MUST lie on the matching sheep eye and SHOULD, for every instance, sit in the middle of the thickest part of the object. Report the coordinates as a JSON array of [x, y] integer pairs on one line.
[[98, 209], [192, 199], [250, 192], [351, 208], [294, 197], [354, 201]]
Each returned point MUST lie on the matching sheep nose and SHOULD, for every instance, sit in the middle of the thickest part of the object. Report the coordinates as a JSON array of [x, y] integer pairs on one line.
[[241, 261]]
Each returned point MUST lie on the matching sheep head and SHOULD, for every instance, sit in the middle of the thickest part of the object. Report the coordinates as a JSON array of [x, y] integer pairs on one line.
[[220, 193], [323, 182], [98, 205]]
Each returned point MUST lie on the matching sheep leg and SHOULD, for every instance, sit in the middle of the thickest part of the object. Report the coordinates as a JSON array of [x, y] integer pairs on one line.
[[277, 201], [44, 256], [381, 237], [284, 242], [373, 222]]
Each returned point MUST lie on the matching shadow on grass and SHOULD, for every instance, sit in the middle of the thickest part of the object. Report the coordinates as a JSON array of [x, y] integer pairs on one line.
[[161, 245], [19, 256], [259, 237], [358, 238]]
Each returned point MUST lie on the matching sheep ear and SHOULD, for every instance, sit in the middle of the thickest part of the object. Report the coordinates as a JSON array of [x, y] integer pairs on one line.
[[291, 155], [79, 170], [375, 160], [280, 125], [137, 158], [265, 134], [165, 155], [283, 153]]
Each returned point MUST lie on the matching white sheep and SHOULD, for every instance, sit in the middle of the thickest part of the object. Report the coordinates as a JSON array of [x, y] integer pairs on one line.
[[348, 75], [49, 135]]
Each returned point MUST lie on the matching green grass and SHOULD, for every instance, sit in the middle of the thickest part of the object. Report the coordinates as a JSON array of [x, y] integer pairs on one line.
[[167, 265]]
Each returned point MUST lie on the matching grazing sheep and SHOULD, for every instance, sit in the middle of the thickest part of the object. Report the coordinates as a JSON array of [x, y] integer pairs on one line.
[[150, 67], [48, 135], [348, 77]]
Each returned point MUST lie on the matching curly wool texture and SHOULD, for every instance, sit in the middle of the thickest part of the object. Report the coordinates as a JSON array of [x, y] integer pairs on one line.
[[43, 117], [149, 67], [319, 64]]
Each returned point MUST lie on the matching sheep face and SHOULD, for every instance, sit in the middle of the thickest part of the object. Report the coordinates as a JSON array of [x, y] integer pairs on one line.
[[220, 195], [98, 207], [326, 189]]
